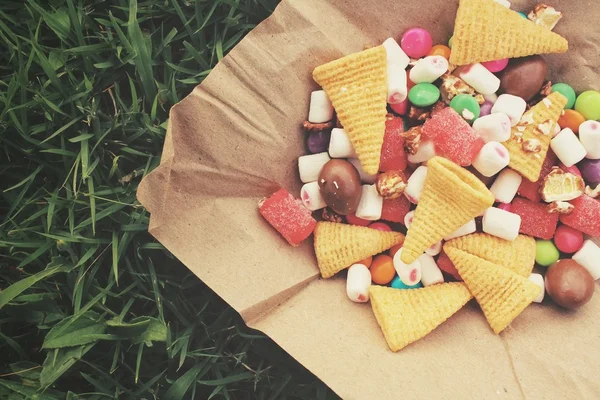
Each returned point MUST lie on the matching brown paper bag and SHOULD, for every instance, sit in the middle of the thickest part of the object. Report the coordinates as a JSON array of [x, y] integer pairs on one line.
[[236, 138]]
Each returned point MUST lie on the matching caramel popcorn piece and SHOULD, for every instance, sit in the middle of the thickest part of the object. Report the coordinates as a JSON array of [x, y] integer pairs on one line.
[[310, 127], [412, 139], [560, 207], [453, 86], [592, 192], [559, 185], [391, 184], [545, 15]]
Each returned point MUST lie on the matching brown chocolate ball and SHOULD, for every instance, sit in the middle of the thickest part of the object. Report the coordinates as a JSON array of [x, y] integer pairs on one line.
[[523, 77], [569, 284], [340, 186]]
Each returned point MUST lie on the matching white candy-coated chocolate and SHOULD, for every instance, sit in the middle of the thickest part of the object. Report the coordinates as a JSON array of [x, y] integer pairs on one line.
[[371, 203], [415, 183], [428, 69], [538, 280], [506, 185], [410, 274], [589, 258], [492, 157], [395, 54], [480, 78], [358, 282], [435, 249], [430, 272], [493, 127], [311, 197], [466, 229], [513, 106], [425, 152], [321, 109], [408, 218], [310, 166], [589, 135], [396, 81], [501, 223], [364, 177], [568, 148], [340, 145]]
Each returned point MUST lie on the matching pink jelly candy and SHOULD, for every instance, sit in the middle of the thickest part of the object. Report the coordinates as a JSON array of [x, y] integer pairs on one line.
[[453, 136], [445, 264], [535, 219], [395, 210], [585, 217], [393, 156], [288, 216], [530, 190]]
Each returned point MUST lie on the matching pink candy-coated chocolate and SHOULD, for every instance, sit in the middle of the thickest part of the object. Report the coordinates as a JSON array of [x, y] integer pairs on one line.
[[393, 156], [486, 108], [496, 65], [572, 169], [288, 216], [530, 190], [416, 42], [585, 217], [445, 264], [354, 220], [535, 219], [567, 239], [380, 226], [395, 210], [504, 206]]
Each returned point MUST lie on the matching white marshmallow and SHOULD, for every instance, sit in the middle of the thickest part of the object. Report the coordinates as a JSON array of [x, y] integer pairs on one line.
[[364, 177], [589, 258], [397, 87], [371, 203], [466, 229], [568, 148], [493, 127], [434, 249], [513, 106], [589, 135], [415, 183], [425, 152], [321, 109], [430, 272], [490, 160], [340, 145], [506, 185], [395, 54], [501, 223], [311, 196], [310, 166], [538, 280], [428, 69], [408, 218], [480, 78], [504, 3], [358, 282], [492, 97], [410, 274]]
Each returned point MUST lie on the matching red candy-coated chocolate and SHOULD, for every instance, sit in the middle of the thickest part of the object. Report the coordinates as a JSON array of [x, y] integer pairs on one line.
[[400, 108], [504, 206], [445, 264], [393, 156], [380, 226], [354, 220], [572, 169], [567, 239], [535, 219], [530, 190], [585, 217], [395, 210], [453, 136], [288, 216]]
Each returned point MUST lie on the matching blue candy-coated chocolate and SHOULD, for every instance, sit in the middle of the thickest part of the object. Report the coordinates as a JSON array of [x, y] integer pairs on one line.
[[398, 284]]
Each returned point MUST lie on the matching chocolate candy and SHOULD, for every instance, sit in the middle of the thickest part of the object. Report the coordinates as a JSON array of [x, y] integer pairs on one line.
[[590, 171], [569, 284], [317, 142], [339, 182], [524, 77]]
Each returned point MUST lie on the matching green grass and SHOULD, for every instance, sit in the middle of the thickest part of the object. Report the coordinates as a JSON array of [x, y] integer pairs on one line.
[[90, 305]]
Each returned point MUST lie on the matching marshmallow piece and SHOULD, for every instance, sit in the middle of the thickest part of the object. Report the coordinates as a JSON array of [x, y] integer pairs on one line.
[[491, 98], [321, 109], [504, 3], [311, 196], [340, 145], [506, 185], [425, 152], [490, 160], [410, 274], [430, 272], [310, 166], [415, 183], [408, 218], [466, 229], [493, 127], [589, 258], [501, 223], [358, 282], [428, 69], [555, 130], [397, 86], [395, 54], [511, 105], [538, 280], [568, 148], [371, 203], [589, 135], [480, 78], [435, 249], [364, 177]]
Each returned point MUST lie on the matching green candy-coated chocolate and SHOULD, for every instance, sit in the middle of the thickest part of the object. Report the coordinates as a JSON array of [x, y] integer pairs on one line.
[[450, 41], [466, 106], [566, 91], [423, 94], [546, 253], [588, 104]]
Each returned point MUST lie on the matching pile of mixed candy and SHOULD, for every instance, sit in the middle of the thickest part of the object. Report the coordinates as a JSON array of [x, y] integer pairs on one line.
[[442, 173]]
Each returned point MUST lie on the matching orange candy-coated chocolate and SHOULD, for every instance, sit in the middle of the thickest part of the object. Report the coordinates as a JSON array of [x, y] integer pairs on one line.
[[382, 269], [440, 50], [366, 262], [571, 119], [394, 249]]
